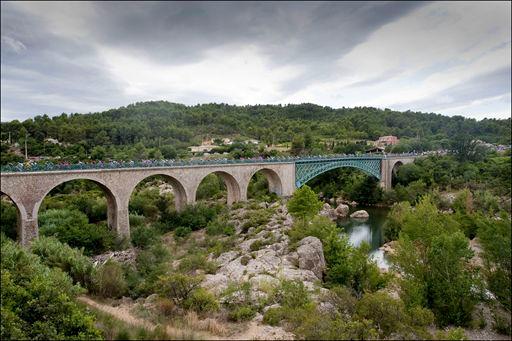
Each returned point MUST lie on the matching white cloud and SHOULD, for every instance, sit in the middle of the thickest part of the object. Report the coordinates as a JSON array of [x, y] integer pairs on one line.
[[234, 74]]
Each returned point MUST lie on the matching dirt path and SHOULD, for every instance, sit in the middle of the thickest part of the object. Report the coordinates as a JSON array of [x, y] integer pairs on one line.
[[123, 314]]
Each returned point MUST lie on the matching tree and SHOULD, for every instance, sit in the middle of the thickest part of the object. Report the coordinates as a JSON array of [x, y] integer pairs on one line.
[[297, 145], [304, 204], [38, 301], [433, 259]]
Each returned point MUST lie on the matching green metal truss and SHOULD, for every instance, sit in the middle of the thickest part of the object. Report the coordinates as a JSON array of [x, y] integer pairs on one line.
[[307, 170]]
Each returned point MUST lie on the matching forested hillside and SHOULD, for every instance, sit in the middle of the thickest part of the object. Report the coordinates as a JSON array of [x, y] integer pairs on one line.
[[172, 127]]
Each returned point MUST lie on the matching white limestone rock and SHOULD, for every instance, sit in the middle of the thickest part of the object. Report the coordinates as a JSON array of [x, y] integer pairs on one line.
[[361, 214], [311, 256]]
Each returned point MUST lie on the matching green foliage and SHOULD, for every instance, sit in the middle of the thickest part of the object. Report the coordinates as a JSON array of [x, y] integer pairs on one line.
[[195, 261], [350, 266], [496, 241], [201, 301], [8, 218], [320, 227], [304, 203], [151, 263], [220, 226], [178, 287], [210, 187], [394, 221], [134, 131], [256, 218], [53, 253], [433, 259], [182, 231], [72, 227], [31, 290], [109, 280], [292, 294], [242, 313], [194, 216], [143, 236], [390, 316]]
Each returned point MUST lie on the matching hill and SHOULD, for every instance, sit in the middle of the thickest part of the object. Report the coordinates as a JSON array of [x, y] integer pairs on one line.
[[160, 123]]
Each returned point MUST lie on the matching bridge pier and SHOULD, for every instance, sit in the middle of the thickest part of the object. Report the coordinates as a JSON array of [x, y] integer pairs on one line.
[[27, 231]]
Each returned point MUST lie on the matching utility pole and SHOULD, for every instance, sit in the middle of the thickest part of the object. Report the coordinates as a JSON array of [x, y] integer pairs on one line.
[[26, 154]]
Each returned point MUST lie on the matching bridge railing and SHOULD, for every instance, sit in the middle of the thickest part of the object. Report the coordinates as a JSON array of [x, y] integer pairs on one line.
[[51, 166]]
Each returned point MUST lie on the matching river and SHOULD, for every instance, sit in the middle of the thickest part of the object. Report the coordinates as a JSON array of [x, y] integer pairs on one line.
[[370, 231]]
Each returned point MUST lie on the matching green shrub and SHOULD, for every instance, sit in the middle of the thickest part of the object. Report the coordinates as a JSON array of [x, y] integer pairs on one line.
[[194, 216], [182, 231], [109, 280], [245, 259], [136, 220], [197, 261], [56, 254], [243, 313], [320, 227], [8, 219], [220, 227], [273, 316], [177, 287], [256, 218], [142, 236], [72, 227], [201, 301], [38, 301], [292, 294]]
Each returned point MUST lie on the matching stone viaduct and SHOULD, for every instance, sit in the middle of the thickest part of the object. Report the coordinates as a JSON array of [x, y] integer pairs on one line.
[[28, 189]]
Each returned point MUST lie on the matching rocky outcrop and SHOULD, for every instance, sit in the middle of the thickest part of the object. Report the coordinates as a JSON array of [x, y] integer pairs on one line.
[[125, 256], [389, 247], [311, 256], [328, 211], [361, 214], [272, 262], [342, 211]]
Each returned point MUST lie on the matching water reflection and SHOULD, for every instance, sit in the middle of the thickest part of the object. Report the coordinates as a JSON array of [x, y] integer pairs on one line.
[[369, 231]]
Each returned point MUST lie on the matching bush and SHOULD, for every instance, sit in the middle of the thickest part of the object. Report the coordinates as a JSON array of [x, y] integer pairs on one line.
[[243, 313], [194, 216], [197, 261], [320, 227], [38, 301], [273, 316], [177, 287], [220, 227], [72, 227], [8, 219], [292, 294], [109, 280], [56, 254], [142, 236], [201, 301], [182, 231]]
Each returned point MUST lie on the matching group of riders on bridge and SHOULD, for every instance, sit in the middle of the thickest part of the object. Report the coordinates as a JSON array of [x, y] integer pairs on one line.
[[42, 166]]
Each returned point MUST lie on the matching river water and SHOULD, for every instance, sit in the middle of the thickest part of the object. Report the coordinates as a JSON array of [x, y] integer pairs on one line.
[[370, 231]]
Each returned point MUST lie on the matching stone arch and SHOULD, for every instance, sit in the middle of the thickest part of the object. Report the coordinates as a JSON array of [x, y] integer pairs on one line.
[[112, 201], [21, 214], [232, 186], [396, 165], [180, 194], [275, 184]]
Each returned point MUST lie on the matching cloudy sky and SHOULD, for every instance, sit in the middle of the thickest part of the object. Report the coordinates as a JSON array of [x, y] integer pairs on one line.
[[450, 58]]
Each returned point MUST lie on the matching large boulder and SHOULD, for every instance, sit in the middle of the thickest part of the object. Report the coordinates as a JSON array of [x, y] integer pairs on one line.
[[342, 211], [361, 214], [311, 256]]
